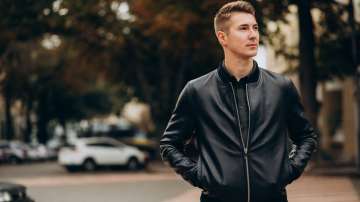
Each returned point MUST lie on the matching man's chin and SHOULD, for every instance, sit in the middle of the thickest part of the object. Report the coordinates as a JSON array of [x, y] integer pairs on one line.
[[250, 55]]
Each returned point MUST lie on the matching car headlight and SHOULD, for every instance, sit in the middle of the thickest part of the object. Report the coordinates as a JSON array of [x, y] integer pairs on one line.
[[5, 197]]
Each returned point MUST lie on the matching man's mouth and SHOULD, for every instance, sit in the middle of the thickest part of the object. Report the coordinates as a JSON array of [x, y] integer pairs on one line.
[[252, 45]]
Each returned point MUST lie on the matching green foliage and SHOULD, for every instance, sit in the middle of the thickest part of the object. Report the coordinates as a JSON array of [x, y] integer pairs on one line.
[[334, 43]]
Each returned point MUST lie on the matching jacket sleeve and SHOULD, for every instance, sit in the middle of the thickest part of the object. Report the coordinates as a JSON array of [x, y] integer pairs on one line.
[[301, 132], [180, 129]]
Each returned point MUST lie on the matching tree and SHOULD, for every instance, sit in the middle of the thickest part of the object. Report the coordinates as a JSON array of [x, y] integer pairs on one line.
[[59, 83], [19, 22], [307, 62], [165, 48]]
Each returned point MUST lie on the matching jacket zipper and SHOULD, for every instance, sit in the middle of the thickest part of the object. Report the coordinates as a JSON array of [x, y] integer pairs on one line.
[[241, 137], [247, 146]]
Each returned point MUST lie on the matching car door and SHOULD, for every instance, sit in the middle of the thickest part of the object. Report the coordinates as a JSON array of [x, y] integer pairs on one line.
[[107, 153]]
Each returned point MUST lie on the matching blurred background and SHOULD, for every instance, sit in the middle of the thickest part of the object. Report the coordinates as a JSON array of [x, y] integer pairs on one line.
[[88, 84]]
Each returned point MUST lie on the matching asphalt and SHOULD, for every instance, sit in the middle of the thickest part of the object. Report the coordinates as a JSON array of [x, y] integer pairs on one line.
[[326, 183]]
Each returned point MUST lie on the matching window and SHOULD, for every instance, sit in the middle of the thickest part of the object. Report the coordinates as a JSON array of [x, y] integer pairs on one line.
[[101, 144]]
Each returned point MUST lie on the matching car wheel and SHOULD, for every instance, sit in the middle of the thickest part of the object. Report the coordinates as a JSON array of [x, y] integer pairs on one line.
[[14, 160], [133, 164], [71, 168], [89, 165]]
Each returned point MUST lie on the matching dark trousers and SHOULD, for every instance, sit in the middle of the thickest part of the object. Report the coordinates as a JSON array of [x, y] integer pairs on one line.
[[206, 198]]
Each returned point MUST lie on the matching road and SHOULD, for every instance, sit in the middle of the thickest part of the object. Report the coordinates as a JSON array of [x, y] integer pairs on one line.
[[48, 182]]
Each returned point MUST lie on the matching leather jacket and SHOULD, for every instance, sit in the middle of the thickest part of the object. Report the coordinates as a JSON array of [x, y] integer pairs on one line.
[[226, 167]]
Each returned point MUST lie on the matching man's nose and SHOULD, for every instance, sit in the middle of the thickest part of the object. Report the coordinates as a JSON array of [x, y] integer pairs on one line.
[[253, 34]]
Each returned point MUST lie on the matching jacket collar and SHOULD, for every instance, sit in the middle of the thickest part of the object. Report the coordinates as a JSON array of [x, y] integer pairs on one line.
[[225, 75]]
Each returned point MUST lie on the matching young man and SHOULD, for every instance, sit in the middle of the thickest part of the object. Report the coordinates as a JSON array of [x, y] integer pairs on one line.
[[241, 117]]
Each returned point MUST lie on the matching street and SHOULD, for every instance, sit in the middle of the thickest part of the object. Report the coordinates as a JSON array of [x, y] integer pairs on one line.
[[48, 182]]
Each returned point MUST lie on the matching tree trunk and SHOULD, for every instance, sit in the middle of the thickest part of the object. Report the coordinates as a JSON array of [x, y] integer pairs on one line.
[[307, 64], [64, 137], [42, 119], [9, 128], [28, 127]]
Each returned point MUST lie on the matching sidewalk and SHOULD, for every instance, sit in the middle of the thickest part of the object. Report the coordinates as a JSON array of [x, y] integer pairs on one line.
[[322, 189], [328, 184], [307, 188]]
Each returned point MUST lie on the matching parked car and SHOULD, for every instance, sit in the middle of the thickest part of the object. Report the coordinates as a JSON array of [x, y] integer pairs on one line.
[[10, 192], [90, 153], [15, 152], [128, 135], [138, 139], [40, 152]]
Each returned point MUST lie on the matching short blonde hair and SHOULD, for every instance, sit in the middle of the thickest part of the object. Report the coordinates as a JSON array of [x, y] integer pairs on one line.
[[224, 13]]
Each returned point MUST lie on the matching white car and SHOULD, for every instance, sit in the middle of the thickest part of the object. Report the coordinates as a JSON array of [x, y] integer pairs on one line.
[[39, 152], [89, 153], [14, 151]]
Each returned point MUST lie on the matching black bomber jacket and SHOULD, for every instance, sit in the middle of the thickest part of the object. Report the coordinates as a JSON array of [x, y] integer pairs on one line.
[[226, 167]]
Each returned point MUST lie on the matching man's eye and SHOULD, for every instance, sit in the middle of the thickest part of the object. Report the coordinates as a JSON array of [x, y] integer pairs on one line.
[[243, 28], [256, 28]]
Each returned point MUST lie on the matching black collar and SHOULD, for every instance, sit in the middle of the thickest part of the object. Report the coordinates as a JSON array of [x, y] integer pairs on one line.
[[225, 75]]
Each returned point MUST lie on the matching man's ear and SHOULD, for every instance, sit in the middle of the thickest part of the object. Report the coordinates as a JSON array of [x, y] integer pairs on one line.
[[221, 35]]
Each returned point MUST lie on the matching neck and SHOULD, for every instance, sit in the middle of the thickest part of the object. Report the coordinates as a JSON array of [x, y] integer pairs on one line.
[[238, 67]]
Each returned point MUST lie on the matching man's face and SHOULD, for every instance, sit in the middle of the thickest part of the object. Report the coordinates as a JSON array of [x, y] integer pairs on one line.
[[241, 36]]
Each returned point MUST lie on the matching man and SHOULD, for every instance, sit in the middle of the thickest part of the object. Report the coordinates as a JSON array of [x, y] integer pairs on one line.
[[242, 117]]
